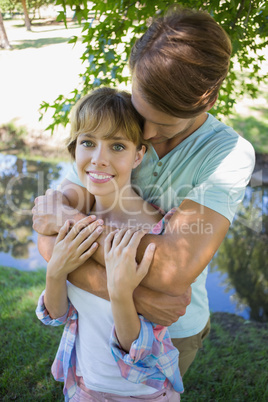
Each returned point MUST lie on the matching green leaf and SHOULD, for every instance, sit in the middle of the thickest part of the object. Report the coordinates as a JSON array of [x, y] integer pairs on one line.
[[110, 28]]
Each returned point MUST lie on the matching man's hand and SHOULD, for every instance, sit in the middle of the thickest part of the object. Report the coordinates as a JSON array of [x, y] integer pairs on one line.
[[51, 212], [160, 308]]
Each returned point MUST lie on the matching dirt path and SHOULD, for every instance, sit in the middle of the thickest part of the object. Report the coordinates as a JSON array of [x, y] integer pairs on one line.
[[41, 66]]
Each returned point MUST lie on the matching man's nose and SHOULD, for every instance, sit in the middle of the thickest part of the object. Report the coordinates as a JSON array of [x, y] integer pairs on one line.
[[149, 130], [100, 156]]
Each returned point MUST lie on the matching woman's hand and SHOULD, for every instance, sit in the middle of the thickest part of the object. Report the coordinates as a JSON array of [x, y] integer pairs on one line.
[[123, 272], [74, 246]]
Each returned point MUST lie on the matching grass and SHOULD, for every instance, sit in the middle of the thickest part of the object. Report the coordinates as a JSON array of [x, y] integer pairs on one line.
[[251, 120], [232, 366], [253, 129], [28, 347]]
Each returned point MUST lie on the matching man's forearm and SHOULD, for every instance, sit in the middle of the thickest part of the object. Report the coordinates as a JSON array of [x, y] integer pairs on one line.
[[161, 308], [155, 306], [91, 277], [183, 251], [46, 245], [164, 285]]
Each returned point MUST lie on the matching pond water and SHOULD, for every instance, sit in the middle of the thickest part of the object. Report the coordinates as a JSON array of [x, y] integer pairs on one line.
[[238, 274]]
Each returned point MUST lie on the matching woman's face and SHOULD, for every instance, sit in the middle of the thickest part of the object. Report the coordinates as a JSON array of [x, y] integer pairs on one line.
[[104, 165]]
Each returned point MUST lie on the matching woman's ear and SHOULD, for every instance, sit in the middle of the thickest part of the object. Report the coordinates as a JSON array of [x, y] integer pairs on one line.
[[139, 156]]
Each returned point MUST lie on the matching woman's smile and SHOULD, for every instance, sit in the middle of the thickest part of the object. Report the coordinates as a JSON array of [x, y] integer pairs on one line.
[[99, 177]]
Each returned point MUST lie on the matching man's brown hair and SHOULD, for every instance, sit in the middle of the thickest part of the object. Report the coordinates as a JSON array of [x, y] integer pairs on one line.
[[181, 61]]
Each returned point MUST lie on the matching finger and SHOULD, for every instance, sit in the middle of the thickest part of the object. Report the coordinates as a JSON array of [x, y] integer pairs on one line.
[[118, 237], [125, 238], [93, 230], [136, 238], [82, 224], [36, 200], [89, 252], [86, 242], [87, 221], [146, 261], [63, 231], [36, 210], [49, 192], [39, 199], [108, 242]]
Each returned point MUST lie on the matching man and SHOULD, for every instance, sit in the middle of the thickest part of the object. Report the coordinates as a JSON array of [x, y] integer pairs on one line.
[[195, 164]]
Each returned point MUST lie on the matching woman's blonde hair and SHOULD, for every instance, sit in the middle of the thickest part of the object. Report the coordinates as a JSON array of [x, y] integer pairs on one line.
[[108, 107]]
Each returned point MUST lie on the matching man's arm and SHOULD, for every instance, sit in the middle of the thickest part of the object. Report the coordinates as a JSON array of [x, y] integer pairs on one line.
[[91, 276], [192, 237]]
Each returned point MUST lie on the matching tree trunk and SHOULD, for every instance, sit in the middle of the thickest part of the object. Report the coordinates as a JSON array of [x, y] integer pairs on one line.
[[4, 42], [26, 16]]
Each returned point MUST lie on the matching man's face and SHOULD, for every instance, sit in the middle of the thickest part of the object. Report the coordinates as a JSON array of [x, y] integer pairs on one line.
[[160, 127]]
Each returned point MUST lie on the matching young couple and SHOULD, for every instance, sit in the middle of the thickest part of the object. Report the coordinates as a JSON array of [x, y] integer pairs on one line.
[[195, 166]]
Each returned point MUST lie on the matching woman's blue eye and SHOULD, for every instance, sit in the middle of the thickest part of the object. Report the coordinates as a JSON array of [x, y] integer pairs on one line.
[[118, 147], [87, 143]]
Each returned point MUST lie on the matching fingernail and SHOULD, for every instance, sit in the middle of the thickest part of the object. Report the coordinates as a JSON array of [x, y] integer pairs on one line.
[[100, 221], [99, 229], [92, 216]]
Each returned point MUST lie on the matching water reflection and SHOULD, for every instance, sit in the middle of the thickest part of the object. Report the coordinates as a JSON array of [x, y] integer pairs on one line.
[[240, 266], [20, 182], [243, 255]]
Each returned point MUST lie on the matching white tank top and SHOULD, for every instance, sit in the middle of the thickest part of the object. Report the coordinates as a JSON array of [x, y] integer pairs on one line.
[[94, 360]]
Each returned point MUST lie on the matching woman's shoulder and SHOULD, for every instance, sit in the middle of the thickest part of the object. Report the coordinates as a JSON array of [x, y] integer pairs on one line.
[[151, 213]]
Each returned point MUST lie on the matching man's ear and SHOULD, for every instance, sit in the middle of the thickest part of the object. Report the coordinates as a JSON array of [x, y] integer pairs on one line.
[[139, 156], [211, 104]]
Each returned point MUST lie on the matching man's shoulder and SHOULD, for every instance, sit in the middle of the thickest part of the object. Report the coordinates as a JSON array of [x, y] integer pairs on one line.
[[224, 136]]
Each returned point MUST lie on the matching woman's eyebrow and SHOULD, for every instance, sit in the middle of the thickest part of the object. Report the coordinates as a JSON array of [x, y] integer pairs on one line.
[[86, 135], [116, 137]]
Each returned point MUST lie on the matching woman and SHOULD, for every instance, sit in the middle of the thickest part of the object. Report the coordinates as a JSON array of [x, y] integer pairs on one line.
[[141, 362]]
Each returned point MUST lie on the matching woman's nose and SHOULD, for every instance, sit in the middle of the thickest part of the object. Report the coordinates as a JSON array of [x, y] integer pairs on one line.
[[149, 130], [100, 157]]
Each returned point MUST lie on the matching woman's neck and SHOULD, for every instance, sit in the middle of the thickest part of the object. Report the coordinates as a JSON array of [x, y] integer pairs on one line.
[[118, 208]]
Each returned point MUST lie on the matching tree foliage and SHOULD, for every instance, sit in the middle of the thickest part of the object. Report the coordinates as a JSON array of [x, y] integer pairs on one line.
[[110, 28], [13, 6], [6, 5]]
